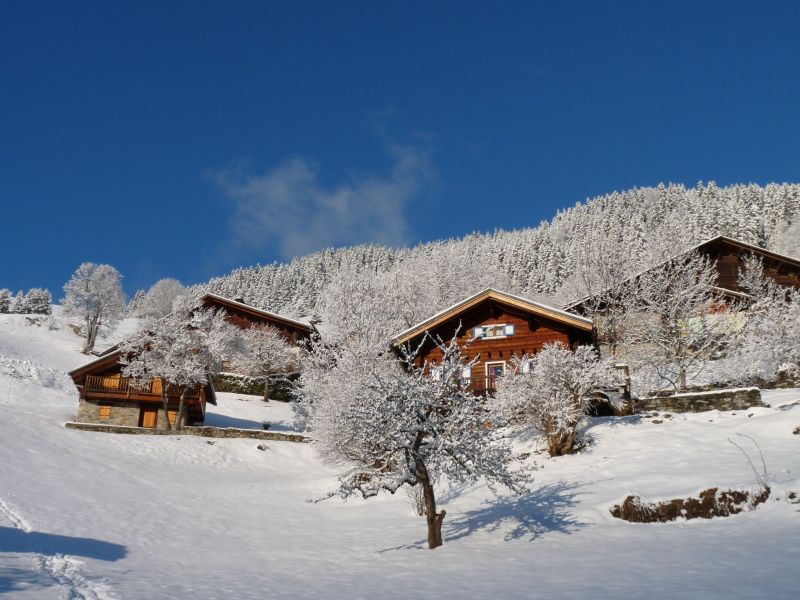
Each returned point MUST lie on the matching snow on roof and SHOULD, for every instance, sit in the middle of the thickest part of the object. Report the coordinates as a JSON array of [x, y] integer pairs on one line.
[[552, 311], [716, 238], [259, 311]]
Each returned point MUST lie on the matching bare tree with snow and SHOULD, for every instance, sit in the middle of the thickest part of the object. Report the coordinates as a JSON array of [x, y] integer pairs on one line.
[[94, 295], [675, 321], [158, 300], [552, 390], [394, 425], [267, 356], [181, 350]]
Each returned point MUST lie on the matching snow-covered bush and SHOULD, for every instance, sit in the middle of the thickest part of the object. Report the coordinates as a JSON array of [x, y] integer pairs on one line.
[[391, 425], [552, 390], [39, 301], [94, 295]]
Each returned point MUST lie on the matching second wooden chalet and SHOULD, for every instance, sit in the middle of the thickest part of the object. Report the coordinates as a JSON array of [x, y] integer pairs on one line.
[[728, 256], [107, 397], [493, 327]]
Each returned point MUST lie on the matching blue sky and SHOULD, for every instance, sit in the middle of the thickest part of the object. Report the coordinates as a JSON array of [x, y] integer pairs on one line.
[[186, 139]]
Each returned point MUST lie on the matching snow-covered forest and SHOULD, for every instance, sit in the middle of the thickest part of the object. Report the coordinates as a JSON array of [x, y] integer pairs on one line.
[[629, 230]]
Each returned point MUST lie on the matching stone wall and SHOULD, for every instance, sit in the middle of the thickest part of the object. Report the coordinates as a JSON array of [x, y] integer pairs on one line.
[[733, 399], [125, 414], [212, 432]]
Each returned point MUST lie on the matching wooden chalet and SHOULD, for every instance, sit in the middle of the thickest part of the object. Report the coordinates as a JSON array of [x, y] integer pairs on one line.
[[106, 396], [493, 327], [728, 256], [246, 316]]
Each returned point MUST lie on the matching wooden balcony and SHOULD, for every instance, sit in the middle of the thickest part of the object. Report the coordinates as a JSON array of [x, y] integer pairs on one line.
[[125, 387]]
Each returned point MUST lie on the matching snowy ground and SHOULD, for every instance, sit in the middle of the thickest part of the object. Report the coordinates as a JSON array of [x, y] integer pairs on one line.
[[92, 515]]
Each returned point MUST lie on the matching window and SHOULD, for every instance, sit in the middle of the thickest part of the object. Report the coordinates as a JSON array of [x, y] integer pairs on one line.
[[500, 330], [466, 375], [105, 411]]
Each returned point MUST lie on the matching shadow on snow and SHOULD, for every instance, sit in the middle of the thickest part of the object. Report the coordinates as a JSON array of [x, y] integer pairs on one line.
[[529, 516], [544, 510], [16, 540]]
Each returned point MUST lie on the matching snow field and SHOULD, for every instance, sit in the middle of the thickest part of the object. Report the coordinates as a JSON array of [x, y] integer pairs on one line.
[[92, 515]]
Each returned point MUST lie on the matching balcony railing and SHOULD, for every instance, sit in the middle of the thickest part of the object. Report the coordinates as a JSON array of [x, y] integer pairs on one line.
[[482, 386], [125, 386]]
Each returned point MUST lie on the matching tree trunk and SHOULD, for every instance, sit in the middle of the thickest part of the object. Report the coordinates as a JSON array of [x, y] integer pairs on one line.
[[682, 380], [179, 415], [266, 389], [165, 401], [433, 519]]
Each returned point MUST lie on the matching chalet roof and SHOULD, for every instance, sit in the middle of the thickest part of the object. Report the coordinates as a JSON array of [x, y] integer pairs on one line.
[[537, 308], [256, 312], [718, 239]]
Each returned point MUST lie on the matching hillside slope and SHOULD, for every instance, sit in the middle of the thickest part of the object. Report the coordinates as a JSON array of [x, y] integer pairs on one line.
[[89, 515]]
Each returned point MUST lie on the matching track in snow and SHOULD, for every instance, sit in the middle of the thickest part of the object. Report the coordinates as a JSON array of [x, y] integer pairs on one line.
[[62, 569]]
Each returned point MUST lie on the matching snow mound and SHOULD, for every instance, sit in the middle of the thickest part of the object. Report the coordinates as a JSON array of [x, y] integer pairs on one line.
[[34, 373]]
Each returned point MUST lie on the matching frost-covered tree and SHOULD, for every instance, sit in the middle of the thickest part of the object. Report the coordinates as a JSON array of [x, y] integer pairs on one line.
[[181, 350], [134, 306], [39, 301], [5, 300], [266, 356], [391, 425], [769, 344], [94, 295], [19, 305], [552, 390], [675, 322], [159, 299]]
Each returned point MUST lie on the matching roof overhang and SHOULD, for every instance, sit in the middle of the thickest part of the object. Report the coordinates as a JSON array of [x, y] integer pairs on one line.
[[255, 312], [529, 306]]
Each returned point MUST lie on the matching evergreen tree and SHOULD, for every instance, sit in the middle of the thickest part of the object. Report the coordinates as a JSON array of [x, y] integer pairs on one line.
[[5, 300], [39, 301]]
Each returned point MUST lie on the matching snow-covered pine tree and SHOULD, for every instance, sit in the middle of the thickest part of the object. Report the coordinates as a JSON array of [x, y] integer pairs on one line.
[[134, 306], [39, 301], [5, 300], [19, 305]]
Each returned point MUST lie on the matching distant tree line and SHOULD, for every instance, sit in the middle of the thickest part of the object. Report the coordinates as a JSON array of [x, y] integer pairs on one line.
[[38, 301]]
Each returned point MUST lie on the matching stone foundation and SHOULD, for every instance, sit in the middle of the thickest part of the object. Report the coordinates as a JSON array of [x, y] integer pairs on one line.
[[211, 432], [125, 414], [733, 399]]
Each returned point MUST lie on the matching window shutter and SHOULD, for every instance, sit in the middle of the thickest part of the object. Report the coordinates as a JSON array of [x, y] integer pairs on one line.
[[509, 330]]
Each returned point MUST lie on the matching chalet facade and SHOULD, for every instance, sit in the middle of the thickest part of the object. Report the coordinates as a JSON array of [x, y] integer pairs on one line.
[[107, 397], [493, 327], [728, 255]]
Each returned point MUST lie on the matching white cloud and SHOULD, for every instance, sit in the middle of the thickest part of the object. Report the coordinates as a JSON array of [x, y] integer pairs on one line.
[[290, 208]]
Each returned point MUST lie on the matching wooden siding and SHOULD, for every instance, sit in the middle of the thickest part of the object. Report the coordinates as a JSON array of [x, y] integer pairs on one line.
[[730, 260], [531, 333]]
